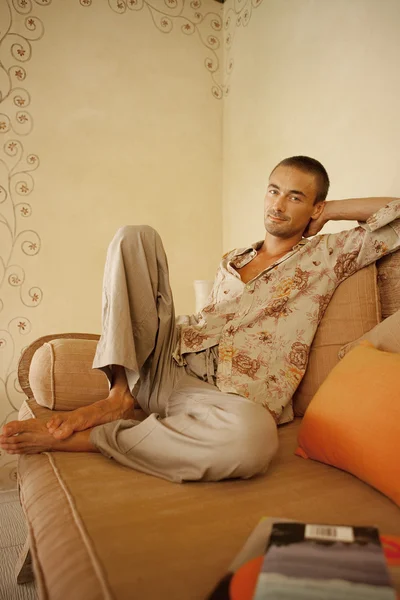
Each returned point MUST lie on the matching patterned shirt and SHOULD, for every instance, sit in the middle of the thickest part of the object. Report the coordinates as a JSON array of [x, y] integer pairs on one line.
[[264, 328]]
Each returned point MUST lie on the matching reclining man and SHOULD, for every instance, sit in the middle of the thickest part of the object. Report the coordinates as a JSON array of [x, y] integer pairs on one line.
[[216, 386]]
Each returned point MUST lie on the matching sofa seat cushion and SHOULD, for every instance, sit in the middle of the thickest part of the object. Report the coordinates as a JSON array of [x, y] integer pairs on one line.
[[124, 534]]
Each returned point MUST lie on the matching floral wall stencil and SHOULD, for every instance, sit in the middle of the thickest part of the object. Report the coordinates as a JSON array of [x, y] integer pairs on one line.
[[237, 13], [45, 72], [188, 15], [18, 242], [215, 32]]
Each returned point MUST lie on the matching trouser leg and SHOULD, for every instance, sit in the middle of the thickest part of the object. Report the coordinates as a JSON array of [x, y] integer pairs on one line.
[[207, 435], [138, 328]]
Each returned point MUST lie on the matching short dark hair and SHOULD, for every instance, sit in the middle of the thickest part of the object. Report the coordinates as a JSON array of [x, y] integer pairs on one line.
[[313, 167]]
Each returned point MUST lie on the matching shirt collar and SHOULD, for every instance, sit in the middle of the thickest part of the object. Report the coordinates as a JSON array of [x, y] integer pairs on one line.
[[257, 245]]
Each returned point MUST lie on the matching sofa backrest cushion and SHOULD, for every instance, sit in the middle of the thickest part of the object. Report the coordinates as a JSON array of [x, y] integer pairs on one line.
[[61, 375], [353, 310], [389, 283]]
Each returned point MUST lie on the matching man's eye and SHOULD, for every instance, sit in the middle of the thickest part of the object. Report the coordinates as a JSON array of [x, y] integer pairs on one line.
[[272, 191], [296, 198]]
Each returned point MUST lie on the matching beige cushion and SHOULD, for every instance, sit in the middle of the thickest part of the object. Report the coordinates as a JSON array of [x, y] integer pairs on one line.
[[389, 283], [61, 375], [384, 336], [353, 310]]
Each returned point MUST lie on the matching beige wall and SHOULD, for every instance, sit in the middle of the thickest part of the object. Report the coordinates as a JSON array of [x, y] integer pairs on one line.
[[127, 131], [311, 77]]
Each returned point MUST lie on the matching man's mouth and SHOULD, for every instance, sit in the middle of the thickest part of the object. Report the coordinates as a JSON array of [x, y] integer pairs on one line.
[[277, 219]]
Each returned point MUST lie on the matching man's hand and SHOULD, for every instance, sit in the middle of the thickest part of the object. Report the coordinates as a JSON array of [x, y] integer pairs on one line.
[[352, 209]]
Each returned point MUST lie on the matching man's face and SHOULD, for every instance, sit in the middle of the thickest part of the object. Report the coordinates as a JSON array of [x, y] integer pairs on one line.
[[289, 203]]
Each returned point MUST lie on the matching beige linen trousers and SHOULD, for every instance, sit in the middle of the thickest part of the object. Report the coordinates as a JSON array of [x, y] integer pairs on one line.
[[194, 431]]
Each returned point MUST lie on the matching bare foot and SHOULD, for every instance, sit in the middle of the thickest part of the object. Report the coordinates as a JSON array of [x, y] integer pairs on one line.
[[117, 406], [26, 437]]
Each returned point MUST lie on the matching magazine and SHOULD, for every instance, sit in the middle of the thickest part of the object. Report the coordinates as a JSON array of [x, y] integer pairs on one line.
[[247, 573]]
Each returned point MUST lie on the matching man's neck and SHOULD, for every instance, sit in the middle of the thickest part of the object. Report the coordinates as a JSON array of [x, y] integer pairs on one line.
[[275, 246]]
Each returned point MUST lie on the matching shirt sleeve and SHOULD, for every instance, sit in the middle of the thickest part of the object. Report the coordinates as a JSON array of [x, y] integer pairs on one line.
[[349, 251]]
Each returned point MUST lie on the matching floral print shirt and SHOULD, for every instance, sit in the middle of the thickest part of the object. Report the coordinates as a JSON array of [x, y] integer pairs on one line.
[[264, 328]]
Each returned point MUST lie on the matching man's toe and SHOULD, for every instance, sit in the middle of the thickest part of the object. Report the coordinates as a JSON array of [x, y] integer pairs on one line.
[[12, 428]]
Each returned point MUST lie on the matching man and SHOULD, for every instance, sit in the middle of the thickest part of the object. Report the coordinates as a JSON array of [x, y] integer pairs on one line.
[[216, 385]]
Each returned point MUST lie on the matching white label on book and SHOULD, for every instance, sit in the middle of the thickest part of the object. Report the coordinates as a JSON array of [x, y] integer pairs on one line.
[[329, 532]]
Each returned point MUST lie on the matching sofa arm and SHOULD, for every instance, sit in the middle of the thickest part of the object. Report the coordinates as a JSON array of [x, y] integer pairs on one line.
[[57, 372]]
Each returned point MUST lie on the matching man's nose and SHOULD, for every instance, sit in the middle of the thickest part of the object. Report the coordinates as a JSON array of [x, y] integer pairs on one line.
[[279, 203]]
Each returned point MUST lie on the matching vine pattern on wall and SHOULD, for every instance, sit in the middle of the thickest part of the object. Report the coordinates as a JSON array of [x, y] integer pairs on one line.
[[237, 14], [18, 30], [216, 33]]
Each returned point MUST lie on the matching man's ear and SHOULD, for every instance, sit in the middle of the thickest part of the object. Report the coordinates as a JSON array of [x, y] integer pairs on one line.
[[318, 210]]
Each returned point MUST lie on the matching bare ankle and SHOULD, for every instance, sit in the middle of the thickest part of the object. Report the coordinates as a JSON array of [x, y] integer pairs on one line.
[[119, 380]]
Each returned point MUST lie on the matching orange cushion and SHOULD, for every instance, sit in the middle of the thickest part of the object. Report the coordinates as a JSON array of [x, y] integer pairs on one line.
[[353, 421]]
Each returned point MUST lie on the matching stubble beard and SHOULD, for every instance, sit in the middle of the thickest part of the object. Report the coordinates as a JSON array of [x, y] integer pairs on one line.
[[282, 230]]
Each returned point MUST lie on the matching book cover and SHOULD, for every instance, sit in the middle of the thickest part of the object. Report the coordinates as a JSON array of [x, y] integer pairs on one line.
[[240, 580], [323, 561]]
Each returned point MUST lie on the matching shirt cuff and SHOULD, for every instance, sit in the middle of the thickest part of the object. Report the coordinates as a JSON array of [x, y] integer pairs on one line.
[[384, 216]]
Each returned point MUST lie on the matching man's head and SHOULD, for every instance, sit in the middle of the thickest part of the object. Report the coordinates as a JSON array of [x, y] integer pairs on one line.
[[297, 189]]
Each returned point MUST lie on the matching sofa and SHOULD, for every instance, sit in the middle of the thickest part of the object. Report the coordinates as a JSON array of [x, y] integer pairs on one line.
[[97, 529]]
